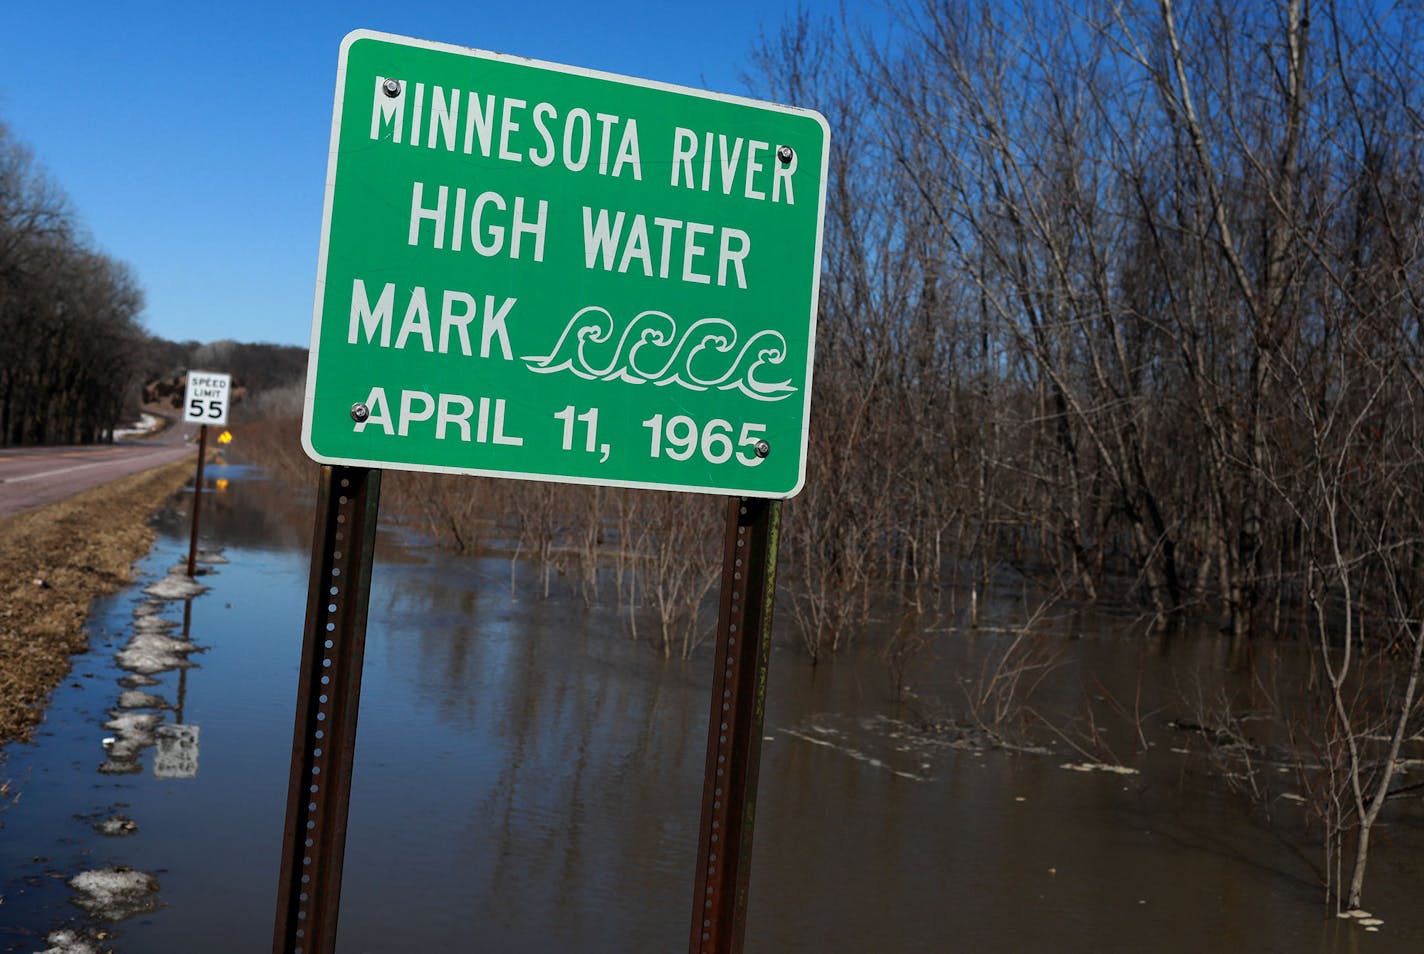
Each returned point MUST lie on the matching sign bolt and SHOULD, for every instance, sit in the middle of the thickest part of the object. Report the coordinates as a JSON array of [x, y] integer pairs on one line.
[[359, 413], [391, 87], [762, 448], [784, 153]]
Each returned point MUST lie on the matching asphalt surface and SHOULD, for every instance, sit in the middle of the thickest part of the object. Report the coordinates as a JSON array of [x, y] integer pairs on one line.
[[34, 476]]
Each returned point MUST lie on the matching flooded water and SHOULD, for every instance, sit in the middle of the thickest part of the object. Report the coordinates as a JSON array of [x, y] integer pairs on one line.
[[528, 780]]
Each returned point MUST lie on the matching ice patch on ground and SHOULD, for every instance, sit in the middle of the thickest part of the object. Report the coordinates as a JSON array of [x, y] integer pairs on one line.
[[213, 556], [116, 893], [175, 587]]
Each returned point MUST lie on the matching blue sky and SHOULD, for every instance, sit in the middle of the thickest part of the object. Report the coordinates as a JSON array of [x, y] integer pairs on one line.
[[191, 137]]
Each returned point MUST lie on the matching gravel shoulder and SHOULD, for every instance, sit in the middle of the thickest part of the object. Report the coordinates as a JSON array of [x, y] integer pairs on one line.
[[54, 561]]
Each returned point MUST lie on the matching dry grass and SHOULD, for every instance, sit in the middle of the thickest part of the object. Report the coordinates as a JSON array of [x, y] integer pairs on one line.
[[77, 549]]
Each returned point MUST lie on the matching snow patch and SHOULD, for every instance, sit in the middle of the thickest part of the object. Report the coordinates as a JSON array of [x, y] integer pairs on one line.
[[146, 424]]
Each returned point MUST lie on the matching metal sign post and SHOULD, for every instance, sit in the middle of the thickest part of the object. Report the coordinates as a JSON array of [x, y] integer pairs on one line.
[[734, 730], [205, 401], [328, 694], [197, 500]]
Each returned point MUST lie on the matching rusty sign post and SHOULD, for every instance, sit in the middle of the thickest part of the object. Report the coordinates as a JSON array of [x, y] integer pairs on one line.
[[734, 725], [197, 501], [328, 698]]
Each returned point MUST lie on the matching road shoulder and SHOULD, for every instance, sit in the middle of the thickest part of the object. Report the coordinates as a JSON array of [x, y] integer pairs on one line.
[[54, 561]]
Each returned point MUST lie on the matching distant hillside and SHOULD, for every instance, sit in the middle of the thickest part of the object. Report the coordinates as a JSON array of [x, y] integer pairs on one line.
[[256, 369]]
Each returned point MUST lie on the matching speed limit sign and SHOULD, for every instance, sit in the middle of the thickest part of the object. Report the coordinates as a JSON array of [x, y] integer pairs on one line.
[[206, 399]]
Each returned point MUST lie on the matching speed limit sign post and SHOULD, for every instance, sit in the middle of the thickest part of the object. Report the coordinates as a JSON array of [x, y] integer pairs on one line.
[[205, 402]]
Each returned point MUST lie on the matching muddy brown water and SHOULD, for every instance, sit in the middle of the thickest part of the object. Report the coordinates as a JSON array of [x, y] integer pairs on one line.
[[528, 779]]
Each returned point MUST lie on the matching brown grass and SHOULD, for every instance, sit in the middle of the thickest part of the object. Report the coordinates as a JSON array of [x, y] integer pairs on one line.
[[80, 548]]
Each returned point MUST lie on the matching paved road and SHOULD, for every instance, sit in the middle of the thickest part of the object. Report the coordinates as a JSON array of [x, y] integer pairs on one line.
[[33, 476]]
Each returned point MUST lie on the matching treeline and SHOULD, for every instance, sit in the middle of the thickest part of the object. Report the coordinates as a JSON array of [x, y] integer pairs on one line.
[[70, 338], [258, 371], [1123, 299], [1126, 293], [75, 361], [255, 367]]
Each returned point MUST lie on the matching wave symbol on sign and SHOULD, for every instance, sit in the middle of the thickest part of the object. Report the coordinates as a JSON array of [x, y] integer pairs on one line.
[[650, 351]]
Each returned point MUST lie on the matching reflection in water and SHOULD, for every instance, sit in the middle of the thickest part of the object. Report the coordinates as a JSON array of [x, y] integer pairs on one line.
[[527, 780]]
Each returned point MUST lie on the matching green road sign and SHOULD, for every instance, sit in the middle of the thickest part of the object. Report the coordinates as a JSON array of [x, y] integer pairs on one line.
[[537, 271]]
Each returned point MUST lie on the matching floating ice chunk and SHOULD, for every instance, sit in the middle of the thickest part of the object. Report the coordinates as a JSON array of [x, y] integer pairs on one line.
[[153, 624], [1098, 767], [116, 826], [116, 893], [133, 724], [136, 680], [135, 733], [134, 699], [70, 942], [148, 653], [174, 587]]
